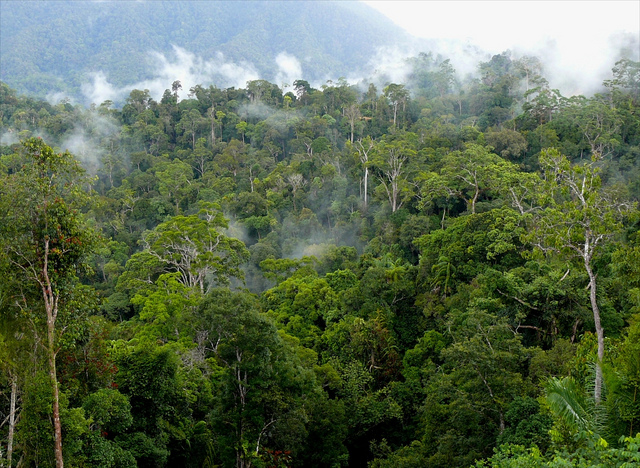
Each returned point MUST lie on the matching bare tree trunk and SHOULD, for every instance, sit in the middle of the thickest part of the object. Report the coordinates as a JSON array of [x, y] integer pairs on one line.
[[394, 194], [57, 427], [12, 418], [51, 307], [366, 184], [212, 114], [597, 393], [474, 200]]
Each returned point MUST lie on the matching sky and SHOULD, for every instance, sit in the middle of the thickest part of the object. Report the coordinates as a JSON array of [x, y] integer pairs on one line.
[[501, 24], [573, 37]]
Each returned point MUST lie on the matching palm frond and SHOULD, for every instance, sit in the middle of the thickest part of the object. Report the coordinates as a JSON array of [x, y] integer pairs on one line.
[[569, 403]]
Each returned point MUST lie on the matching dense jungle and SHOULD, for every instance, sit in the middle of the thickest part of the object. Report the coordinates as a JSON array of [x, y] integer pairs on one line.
[[442, 273]]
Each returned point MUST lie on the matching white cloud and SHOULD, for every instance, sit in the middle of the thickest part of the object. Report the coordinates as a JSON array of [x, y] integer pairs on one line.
[[183, 66], [578, 41], [100, 90], [192, 70], [289, 69]]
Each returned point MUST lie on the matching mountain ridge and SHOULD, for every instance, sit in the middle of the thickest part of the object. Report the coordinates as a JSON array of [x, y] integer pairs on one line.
[[49, 47]]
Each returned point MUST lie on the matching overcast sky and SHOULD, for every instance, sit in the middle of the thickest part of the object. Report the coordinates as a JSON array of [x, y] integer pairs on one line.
[[501, 24], [576, 37]]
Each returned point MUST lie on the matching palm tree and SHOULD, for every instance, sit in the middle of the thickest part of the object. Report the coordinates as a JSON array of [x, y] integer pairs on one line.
[[576, 412]]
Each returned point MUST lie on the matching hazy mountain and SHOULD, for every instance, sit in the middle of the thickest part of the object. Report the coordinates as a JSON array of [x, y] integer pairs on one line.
[[51, 47]]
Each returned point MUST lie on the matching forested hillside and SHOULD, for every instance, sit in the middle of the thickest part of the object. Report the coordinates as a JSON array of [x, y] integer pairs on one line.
[[58, 46], [342, 276]]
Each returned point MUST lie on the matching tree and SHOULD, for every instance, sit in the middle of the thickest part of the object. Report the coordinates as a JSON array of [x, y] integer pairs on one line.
[[201, 157], [397, 95], [574, 411], [507, 143], [165, 308], [260, 381], [14, 358], [175, 181], [189, 124], [352, 113], [390, 163], [577, 219], [473, 172], [531, 68], [364, 148], [445, 77], [263, 91], [45, 239], [626, 77], [233, 157], [599, 123], [195, 247]]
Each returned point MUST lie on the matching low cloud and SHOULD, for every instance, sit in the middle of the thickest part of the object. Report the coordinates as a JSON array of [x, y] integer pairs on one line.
[[182, 66], [8, 138], [86, 141], [58, 97], [568, 67], [100, 90], [289, 69]]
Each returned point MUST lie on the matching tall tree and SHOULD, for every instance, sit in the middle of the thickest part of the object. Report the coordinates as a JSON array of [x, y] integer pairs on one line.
[[599, 123], [364, 149], [578, 218], [45, 240], [352, 114], [398, 96], [390, 162], [195, 247], [473, 172]]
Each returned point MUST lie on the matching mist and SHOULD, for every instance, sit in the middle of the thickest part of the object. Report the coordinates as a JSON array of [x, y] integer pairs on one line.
[[578, 43], [564, 69], [289, 69], [180, 65]]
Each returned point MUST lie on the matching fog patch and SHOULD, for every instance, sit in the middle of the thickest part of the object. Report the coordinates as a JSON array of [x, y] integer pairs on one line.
[[181, 65], [87, 140], [289, 69], [83, 148], [391, 64], [236, 230], [578, 68], [191, 70], [257, 110], [100, 90], [9, 138], [54, 98]]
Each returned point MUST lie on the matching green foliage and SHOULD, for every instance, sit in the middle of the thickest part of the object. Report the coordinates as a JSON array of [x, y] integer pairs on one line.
[[469, 244], [401, 313], [40, 215], [34, 435], [109, 410], [261, 383], [44, 241], [517, 456], [166, 309], [526, 425], [195, 248]]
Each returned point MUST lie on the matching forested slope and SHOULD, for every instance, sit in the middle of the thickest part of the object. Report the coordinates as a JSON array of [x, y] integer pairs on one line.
[[325, 277], [49, 47]]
